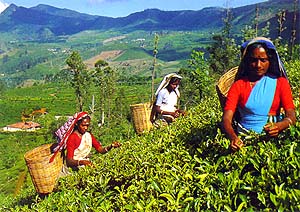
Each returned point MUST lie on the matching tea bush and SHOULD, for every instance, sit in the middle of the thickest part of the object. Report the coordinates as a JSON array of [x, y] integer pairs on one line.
[[186, 166]]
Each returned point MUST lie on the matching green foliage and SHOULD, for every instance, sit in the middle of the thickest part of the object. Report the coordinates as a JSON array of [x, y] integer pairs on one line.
[[105, 79], [249, 33], [186, 166], [12, 149], [197, 80], [223, 51], [80, 77], [292, 69], [2, 87]]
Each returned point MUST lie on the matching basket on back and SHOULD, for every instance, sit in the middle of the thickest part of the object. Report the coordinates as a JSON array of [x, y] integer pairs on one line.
[[44, 174], [141, 117], [224, 84]]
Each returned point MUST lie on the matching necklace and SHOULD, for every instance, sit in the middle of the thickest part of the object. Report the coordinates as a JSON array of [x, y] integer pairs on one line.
[[78, 133], [252, 84]]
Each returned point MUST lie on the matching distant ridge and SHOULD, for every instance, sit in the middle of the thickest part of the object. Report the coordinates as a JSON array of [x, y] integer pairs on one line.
[[42, 19]]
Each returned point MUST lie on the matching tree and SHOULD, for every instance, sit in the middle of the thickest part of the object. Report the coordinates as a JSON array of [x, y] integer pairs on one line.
[[223, 51], [293, 34], [250, 32], [105, 78], [282, 48], [197, 83], [155, 51], [79, 79]]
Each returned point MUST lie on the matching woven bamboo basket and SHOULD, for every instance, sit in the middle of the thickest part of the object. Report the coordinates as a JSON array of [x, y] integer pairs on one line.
[[43, 174], [141, 117], [225, 83]]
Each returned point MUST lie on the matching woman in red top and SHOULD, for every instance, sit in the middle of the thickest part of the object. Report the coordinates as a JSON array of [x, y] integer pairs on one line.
[[260, 92], [80, 142]]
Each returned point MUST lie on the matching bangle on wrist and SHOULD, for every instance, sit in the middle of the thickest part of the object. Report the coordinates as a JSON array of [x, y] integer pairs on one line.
[[289, 120], [106, 149], [161, 112], [78, 163]]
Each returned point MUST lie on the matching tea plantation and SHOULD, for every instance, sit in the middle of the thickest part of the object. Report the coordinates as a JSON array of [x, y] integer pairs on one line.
[[186, 166]]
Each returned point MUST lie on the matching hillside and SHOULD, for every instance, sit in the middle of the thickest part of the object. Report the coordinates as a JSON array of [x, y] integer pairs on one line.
[[36, 41], [183, 167], [186, 166], [44, 19]]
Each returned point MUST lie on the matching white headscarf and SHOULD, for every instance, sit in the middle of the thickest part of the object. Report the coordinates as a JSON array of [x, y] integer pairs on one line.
[[165, 82]]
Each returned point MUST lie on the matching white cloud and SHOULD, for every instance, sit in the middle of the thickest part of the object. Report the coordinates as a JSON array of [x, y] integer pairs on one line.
[[3, 6]]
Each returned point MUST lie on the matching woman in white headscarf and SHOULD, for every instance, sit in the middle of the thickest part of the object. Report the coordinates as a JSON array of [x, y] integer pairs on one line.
[[167, 96]]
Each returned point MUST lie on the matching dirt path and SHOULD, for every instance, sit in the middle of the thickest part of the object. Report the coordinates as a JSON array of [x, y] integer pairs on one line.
[[106, 55]]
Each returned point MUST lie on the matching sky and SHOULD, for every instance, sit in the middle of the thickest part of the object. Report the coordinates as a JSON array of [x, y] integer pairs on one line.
[[122, 8]]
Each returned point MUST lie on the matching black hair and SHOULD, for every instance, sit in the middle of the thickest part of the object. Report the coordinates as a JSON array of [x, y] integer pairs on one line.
[[174, 79], [80, 121]]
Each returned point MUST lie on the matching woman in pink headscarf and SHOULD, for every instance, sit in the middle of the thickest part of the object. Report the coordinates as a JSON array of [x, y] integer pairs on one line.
[[79, 142]]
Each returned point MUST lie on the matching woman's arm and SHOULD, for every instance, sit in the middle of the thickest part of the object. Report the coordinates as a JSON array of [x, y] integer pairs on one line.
[[74, 163], [163, 112], [273, 129], [103, 150], [286, 99], [236, 142]]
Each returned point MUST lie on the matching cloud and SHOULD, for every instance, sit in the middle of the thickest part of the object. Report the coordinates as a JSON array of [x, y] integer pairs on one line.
[[3, 6]]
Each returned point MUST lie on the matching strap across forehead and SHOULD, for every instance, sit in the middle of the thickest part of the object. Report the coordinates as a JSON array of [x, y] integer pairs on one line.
[[261, 40]]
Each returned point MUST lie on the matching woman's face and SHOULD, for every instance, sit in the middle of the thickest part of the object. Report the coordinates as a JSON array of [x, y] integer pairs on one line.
[[174, 84], [259, 62], [84, 125]]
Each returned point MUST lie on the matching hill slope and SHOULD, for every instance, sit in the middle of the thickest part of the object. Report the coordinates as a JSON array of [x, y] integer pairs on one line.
[[184, 167], [65, 22]]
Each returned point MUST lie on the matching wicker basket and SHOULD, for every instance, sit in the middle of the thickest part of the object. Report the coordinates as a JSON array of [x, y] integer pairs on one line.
[[225, 83], [141, 117], [44, 175]]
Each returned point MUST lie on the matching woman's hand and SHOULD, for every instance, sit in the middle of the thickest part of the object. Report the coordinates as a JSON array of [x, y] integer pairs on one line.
[[176, 114], [272, 129], [236, 144], [181, 112], [115, 144], [85, 163]]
